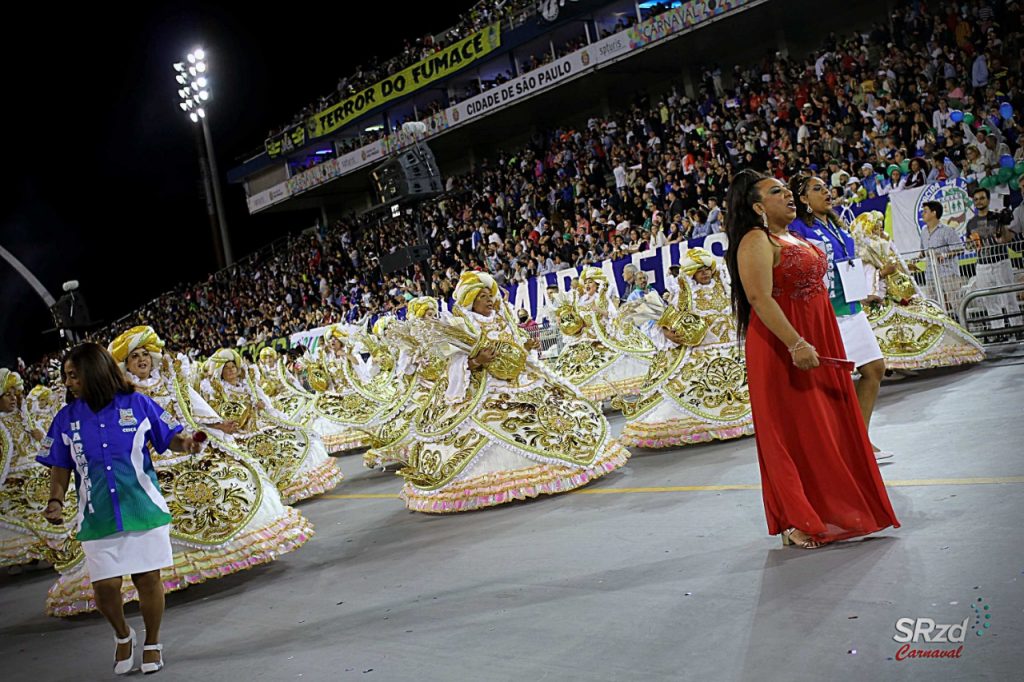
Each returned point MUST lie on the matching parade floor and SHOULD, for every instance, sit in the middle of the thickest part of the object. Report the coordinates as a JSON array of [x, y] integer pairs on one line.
[[661, 571]]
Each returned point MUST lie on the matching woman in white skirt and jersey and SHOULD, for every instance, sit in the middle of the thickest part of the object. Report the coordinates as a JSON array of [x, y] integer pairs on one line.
[[103, 436], [819, 224]]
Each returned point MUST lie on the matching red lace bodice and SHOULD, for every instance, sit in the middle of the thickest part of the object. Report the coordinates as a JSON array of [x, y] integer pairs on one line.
[[800, 273]]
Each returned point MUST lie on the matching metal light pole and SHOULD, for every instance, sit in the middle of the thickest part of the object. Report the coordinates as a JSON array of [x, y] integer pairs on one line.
[[191, 76]]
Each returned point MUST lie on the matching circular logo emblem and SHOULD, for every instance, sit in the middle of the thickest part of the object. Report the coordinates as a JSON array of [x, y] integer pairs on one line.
[[956, 205]]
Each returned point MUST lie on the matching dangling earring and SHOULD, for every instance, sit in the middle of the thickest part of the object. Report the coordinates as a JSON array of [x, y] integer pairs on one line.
[[764, 220]]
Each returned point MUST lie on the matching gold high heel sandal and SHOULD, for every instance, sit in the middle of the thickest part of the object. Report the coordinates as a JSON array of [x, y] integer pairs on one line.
[[808, 543]]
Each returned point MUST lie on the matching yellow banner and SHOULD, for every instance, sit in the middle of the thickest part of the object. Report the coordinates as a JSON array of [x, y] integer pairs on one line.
[[439, 65]]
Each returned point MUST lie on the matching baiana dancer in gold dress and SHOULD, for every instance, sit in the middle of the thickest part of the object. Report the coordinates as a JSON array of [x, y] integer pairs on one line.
[[605, 355], [293, 456], [353, 392], [912, 332], [696, 389], [498, 425]]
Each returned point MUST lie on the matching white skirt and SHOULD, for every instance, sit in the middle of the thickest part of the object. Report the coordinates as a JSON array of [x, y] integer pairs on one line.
[[128, 552], [859, 339]]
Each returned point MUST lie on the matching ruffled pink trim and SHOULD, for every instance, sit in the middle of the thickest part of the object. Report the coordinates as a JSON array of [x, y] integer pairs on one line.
[[317, 481], [18, 549], [70, 597], [488, 490], [933, 361], [669, 435]]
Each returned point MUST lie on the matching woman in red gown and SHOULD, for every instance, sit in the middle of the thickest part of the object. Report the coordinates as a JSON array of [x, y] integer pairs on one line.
[[819, 477]]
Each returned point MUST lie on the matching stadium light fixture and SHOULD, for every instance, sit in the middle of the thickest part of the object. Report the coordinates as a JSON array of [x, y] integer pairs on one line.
[[194, 93]]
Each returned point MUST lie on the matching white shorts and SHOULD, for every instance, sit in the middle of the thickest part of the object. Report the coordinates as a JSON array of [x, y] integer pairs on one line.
[[859, 339], [128, 552]]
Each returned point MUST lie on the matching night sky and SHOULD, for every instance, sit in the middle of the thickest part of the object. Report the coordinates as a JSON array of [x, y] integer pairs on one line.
[[101, 178]]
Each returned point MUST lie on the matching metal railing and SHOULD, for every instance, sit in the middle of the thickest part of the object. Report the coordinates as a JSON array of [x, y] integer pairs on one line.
[[1007, 302], [550, 339], [957, 280]]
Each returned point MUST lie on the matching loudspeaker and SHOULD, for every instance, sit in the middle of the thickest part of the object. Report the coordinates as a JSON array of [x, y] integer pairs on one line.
[[404, 257], [70, 312], [412, 174]]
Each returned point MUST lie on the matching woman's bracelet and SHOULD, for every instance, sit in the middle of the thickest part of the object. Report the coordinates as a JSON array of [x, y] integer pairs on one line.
[[55, 499], [800, 344]]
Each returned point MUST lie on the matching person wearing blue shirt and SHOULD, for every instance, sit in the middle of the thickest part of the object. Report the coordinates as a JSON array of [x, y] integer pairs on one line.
[[103, 436], [818, 223]]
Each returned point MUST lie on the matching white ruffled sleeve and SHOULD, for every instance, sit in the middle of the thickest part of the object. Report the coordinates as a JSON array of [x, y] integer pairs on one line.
[[458, 377], [404, 366], [268, 404], [202, 413], [365, 370]]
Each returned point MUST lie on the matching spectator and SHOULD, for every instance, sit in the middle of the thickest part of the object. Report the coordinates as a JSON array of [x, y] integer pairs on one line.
[[946, 245], [990, 240]]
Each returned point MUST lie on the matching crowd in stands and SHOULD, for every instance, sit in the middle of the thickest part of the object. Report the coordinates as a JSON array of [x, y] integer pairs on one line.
[[481, 15], [869, 113]]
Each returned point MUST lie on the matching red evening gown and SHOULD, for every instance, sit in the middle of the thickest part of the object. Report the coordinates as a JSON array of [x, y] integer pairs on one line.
[[818, 471]]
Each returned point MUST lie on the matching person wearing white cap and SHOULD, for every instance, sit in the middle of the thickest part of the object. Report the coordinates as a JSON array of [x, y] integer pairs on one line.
[[855, 193], [869, 179]]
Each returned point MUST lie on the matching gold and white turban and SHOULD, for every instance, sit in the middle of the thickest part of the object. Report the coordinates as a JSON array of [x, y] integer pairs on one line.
[[696, 260], [867, 224], [381, 324], [136, 337], [342, 332], [10, 380], [471, 283], [592, 274], [40, 393], [421, 307], [268, 353], [215, 365]]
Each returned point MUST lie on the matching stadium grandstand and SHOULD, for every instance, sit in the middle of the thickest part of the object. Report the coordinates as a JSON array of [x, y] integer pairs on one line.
[[529, 141], [612, 138]]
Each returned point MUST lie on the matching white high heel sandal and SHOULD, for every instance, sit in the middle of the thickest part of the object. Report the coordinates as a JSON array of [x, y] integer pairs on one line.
[[124, 667], [148, 668]]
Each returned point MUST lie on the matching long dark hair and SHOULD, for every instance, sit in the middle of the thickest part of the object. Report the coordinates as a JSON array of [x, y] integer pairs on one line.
[[798, 185], [741, 218], [100, 377]]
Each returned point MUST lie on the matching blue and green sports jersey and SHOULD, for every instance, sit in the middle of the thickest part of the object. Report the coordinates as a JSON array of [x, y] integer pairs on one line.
[[109, 455]]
